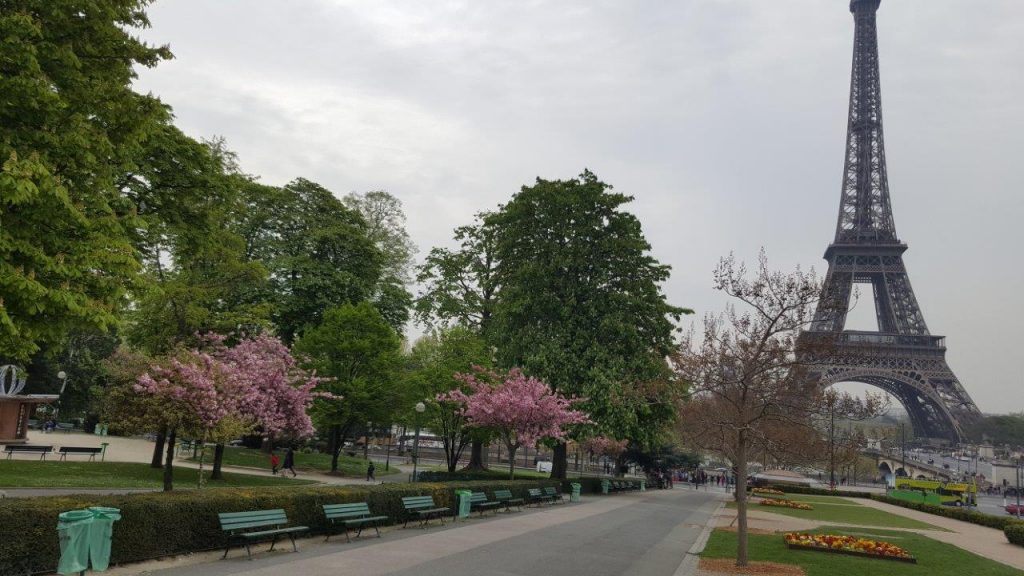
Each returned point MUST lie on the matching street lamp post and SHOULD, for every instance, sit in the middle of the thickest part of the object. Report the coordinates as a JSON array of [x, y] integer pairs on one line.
[[1018, 487], [903, 448], [63, 377], [420, 408]]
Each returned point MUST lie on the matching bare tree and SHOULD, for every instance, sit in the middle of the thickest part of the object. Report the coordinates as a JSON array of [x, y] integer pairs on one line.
[[747, 376], [834, 409]]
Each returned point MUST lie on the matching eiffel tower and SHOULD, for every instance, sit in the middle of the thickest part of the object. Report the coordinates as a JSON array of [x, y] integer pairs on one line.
[[901, 357]]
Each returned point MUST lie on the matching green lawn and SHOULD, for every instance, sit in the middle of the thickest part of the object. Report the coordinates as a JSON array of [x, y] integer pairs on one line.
[[933, 558], [35, 474], [252, 458], [831, 509]]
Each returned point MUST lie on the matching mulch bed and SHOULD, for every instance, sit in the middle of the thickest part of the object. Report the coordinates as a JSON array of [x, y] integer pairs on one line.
[[727, 566]]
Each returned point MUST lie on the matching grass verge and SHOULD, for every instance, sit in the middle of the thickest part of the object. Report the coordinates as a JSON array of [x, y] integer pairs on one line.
[[830, 509], [934, 558], [252, 458], [31, 474]]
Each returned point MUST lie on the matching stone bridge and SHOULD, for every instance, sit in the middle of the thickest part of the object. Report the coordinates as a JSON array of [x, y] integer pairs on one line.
[[895, 464]]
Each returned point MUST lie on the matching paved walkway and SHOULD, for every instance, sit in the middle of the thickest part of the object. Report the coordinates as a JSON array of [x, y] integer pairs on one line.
[[646, 533]]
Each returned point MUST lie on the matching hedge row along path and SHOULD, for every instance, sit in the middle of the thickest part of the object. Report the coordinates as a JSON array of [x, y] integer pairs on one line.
[[983, 541], [645, 533]]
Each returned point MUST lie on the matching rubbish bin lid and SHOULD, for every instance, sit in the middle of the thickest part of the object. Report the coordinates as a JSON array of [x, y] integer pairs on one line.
[[74, 516], [105, 512]]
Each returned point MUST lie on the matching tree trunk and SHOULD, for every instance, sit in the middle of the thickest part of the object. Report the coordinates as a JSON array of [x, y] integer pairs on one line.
[[476, 456], [560, 461], [169, 463], [512, 462], [218, 461], [741, 499], [158, 448], [336, 447]]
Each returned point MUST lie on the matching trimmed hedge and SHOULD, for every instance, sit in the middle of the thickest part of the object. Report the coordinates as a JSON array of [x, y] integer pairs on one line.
[[796, 489], [1014, 533], [165, 524], [954, 512]]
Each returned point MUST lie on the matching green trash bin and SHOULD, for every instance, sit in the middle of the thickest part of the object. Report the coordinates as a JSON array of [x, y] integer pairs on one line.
[[574, 495], [605, 484], [100, 533], [464, 504], [73, 532]]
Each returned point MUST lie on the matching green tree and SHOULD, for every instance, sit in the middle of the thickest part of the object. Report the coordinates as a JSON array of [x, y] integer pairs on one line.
[[385, 227], [432, 365], [197, 278], [357, 348], [460, 289], [69, 125], [460, 286], [581, 304], [317, 250]]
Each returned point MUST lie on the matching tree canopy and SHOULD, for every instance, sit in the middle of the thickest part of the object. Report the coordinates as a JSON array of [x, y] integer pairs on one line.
[[581, 303]]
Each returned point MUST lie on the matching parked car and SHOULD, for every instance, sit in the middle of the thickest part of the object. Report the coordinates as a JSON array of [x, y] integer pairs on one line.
[[1014, 510]]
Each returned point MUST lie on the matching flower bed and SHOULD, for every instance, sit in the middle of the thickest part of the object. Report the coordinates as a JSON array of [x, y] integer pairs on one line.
[[781, 503], [849, 545], [768, 491]]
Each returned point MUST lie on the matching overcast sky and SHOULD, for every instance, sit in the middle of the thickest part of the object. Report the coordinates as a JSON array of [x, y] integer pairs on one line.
[[726, 120]]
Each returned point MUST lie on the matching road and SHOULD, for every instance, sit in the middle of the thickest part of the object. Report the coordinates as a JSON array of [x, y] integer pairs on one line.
[[645, 533]]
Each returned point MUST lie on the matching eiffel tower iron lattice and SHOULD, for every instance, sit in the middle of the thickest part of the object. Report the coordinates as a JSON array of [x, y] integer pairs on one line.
[[901, 357]]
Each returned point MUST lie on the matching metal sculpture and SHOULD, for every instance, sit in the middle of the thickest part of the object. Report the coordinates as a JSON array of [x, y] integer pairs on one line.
[[901, 357], [9, 383]]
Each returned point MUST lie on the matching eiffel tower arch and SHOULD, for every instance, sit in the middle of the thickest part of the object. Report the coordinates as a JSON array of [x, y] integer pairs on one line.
[[901, 357]]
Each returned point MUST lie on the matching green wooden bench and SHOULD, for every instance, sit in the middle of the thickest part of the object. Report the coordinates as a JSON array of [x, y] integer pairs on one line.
[[556, 495], [535, 496], [239, 527], [505, 497], [422, 507], [355, 515], [479, 501]]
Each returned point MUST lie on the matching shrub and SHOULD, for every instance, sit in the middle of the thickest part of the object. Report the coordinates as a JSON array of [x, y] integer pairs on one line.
[[589, 485], [1014, 533], [797, 489], [163, 524], [956, 513]]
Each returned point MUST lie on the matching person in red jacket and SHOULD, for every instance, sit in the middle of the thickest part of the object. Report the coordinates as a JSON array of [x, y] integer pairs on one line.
[[274, 462]]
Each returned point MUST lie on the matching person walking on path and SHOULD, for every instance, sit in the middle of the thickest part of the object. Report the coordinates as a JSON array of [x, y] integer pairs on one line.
[[274, 461], [289, 462], [369, 472]]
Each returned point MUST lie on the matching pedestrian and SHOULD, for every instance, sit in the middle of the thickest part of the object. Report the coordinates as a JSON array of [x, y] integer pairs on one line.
[[369, 472], [274, 462], [289, 461]]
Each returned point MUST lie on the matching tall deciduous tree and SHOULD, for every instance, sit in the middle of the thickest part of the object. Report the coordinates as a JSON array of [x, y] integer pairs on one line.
[[385, 227], [361, 353], [433, 364], [746, 375], [460, 288], [460, 285], [581, 304], [69, 125], [317, 250], [520, 410]]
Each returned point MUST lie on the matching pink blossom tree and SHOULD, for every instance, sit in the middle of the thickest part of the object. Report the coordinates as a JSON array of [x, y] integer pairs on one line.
[[225, 392], [520, 410]]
